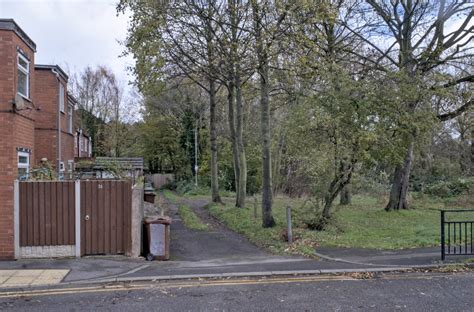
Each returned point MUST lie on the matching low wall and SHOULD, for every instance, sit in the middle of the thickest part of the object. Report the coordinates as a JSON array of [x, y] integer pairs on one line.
[[31, 252]]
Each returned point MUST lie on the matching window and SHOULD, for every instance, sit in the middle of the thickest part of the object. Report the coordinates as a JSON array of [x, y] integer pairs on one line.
[[23, 76], [23, 165], [70, 165], [69, 118], [61, 166], [61, 97]]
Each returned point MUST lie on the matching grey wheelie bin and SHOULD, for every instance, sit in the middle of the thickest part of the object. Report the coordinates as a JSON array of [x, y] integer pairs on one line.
[[157, 231]]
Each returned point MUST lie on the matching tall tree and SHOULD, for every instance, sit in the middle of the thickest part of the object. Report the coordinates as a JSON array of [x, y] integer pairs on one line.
[[235, 47], [267, 19], [419, 44], [178, 39], [100, 108]]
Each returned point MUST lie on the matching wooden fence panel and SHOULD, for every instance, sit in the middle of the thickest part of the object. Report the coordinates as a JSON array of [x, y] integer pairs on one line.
[[159, 180], [47, 213]]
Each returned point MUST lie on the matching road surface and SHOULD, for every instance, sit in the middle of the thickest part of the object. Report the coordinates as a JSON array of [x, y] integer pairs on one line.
[[392, 292]]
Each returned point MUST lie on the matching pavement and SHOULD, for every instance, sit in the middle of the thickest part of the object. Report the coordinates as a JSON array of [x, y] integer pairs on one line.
[[217, 253]]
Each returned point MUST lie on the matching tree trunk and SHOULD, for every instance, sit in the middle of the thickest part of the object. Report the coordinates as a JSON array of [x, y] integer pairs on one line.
[[346, 196], [464, 153], [263, 71], [233, 138], [338, 183], [240, 161], [214, 169], [277, 162], [242, 187], [400, 183], [341, 180], [267, 195], [472, 151]]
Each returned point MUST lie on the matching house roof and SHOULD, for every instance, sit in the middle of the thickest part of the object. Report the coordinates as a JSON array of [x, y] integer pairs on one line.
[[58, 69], [71, 99], [104, 163], [10, 24]]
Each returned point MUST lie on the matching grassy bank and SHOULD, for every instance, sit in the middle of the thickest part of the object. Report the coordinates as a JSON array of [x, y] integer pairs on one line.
[[364, 224], [171, 196], [190, 220]]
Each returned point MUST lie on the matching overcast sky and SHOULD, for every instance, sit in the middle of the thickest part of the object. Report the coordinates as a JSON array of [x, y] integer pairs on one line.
[[73, 33]]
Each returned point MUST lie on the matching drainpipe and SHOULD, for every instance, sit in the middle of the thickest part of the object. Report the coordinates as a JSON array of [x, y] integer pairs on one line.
[[58, 126]]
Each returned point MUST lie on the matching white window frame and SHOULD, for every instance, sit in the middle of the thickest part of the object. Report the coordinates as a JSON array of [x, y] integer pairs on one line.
[[23, 165], [70, 165], [70, 111], [61, 98], [26, 71], [61, 166]]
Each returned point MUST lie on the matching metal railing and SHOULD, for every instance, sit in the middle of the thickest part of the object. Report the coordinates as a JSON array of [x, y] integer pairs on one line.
[[456, 236]]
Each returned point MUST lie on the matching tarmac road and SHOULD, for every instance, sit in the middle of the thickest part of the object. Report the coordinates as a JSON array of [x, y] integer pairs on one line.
[[387, 292]]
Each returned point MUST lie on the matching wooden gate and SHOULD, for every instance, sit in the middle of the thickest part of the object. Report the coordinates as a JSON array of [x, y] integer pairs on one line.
[[105, 217]]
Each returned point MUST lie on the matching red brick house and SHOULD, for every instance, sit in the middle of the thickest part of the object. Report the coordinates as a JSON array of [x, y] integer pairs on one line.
[[17, 121], [83, 142], [54, 124], [36, 121]]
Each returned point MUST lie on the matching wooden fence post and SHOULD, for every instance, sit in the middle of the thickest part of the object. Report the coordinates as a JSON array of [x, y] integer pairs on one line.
[[255, 205], [77, 195], [288, 220], [16, 218]]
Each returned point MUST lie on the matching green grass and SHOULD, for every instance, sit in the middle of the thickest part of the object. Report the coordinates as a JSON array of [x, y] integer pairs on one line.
[[171, 196], [364, 224], [190, 220]]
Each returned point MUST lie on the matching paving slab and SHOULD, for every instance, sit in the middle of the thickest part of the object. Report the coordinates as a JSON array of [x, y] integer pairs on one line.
[[80, 269], [380, 257], [22, 278]]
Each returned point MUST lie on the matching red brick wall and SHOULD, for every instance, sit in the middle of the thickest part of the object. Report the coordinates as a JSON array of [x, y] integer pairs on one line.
[[46, 95], [46, 99], [7, 67], [17, 131], [67, 147]]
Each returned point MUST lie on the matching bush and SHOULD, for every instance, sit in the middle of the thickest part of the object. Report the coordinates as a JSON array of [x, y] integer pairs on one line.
[[309, 215], [450, 188], [184, 186]]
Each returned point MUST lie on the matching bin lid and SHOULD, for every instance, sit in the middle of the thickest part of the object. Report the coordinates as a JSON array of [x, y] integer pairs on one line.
[[157, 220]]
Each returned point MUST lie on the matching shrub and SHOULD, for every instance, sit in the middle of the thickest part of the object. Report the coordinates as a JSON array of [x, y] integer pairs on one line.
[[450, 188]]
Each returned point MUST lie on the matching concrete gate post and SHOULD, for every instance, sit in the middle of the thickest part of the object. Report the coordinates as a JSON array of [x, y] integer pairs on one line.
[[137, 217]]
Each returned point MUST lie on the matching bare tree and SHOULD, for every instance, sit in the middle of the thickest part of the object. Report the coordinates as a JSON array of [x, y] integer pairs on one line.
[[100, 99]]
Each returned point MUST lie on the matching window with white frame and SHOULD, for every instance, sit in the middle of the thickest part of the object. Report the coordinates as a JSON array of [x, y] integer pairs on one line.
[[61, 97], [23, 76], [69, 118], [23, 165], [70, 165], [61, 166]]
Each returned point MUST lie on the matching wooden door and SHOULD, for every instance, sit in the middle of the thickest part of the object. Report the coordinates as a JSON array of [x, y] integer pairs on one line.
[[105, 217]]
